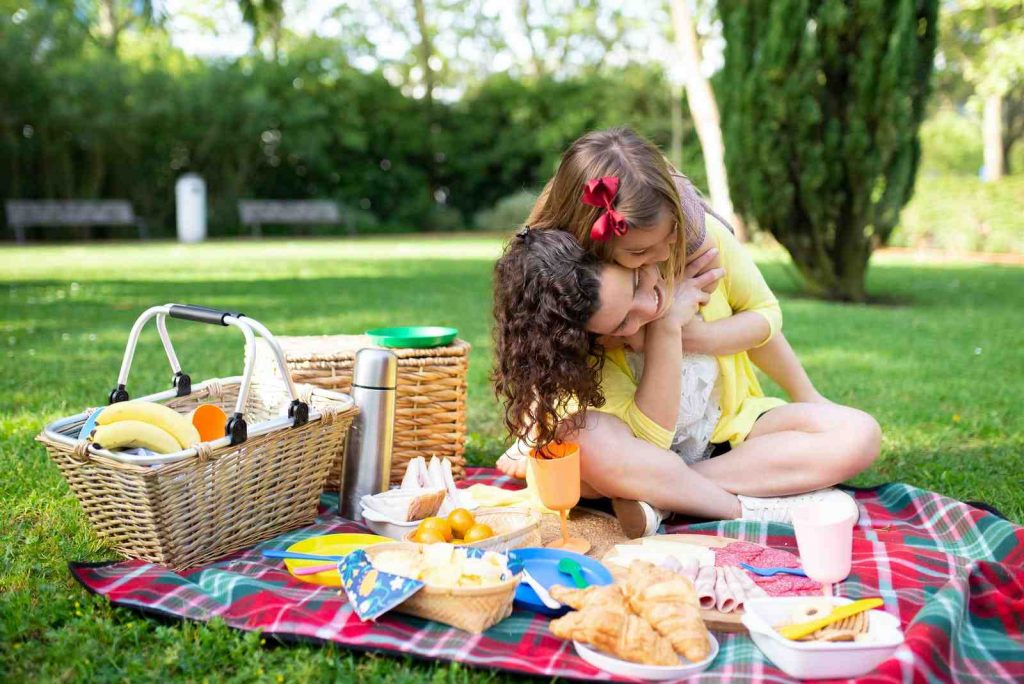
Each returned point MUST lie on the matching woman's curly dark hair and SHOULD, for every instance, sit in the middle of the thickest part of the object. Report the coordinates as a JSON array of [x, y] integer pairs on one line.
[[546, 288]]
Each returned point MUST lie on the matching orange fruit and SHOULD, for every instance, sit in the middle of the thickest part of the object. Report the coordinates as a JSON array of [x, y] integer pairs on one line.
[[478, 532], [460, 520], [440, 525], [428, 537]]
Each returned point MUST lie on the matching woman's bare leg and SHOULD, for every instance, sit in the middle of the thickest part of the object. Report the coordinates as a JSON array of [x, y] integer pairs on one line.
[[616, 464], [797, 448]]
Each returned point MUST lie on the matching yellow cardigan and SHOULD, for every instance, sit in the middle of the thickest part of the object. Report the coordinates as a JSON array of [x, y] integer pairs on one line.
[[741, 289]]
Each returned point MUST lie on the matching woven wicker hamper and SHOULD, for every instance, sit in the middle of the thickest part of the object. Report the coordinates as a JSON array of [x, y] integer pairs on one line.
[[430, 406]]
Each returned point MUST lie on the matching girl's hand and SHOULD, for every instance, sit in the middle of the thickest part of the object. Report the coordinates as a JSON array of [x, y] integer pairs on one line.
[[513, 461], [688, 297], [705, 262]]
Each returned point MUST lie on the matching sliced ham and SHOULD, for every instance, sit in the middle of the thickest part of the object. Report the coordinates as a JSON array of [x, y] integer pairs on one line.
[[736, 587], [705, 587], [690, 568], [725, 601]]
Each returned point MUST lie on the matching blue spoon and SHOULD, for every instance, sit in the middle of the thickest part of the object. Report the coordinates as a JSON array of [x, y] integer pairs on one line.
[[768, 572]]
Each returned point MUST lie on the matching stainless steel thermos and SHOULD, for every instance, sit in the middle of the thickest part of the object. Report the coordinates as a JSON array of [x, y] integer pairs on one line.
[[367, 467]]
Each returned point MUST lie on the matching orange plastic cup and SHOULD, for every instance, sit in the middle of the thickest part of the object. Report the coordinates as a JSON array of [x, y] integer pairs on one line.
[[210, 420], [558, 475]]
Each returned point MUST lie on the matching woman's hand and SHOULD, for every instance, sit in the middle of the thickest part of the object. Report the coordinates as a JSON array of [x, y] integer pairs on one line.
[[513, 461], [705, 262]]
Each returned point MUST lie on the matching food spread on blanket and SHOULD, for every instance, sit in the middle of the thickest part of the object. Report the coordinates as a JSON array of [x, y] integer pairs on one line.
[[460, 527], [145, 425], [427, 490], [853, 628], [721, 584], [443, 565], [651, 616]]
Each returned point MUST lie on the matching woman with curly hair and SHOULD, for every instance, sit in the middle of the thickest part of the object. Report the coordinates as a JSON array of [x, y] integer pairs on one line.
[[598, 340]]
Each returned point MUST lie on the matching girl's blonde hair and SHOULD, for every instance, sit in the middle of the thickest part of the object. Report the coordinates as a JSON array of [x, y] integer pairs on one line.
[[647, 187]]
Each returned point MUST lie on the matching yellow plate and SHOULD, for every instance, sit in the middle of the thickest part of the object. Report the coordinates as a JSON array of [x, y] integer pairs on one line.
[[328, 545]]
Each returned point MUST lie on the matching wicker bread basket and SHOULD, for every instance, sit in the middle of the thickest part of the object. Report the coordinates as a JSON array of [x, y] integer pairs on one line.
[[472, 609], [514, 528], [430, 406]]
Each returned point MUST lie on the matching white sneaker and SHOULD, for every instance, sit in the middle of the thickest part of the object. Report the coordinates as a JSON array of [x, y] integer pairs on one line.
[[780, 508], [638, 518]]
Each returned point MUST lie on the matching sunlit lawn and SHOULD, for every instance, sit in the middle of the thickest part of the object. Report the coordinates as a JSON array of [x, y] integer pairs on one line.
[[939, 363]]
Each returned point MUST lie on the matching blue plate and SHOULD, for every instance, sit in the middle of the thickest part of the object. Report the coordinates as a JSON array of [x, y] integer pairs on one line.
[[543, 565]]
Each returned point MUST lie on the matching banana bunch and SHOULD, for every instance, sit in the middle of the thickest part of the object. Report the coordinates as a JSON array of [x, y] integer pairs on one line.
[[143, 424]]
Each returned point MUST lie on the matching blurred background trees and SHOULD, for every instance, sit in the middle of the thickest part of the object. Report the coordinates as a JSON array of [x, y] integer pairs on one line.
[[442, 114]]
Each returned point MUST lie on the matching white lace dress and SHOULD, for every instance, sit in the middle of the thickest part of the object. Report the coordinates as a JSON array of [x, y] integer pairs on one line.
[[699, 404]]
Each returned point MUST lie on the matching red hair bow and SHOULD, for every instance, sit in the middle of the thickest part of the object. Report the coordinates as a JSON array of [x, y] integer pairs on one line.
[[600, 192]]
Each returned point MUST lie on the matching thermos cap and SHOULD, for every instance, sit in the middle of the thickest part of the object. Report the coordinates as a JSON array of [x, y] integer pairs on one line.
[[375, 368]]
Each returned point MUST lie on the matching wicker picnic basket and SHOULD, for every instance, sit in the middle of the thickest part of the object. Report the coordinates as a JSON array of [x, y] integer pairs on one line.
[[430, 403], [200, 504], [473, 609]]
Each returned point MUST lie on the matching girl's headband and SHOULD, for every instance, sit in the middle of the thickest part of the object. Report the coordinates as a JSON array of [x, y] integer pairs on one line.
[[600, 192]]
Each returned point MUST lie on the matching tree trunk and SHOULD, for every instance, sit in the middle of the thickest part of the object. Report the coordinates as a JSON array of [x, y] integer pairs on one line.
[[109, 30], [704, 110], [675, 153], [992, 134], [426, 50], [524, 19]]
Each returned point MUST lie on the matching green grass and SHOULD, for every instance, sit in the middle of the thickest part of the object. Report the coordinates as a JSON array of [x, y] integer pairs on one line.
[[940, 365]]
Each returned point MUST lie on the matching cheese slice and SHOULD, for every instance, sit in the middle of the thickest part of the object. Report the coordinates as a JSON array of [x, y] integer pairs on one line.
[[679, 550]]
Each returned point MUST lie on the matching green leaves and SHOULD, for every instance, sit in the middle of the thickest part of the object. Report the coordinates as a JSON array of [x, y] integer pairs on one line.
[[821, 101]]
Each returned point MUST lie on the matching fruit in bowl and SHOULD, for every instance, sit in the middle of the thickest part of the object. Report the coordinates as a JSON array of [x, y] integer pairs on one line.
[[460, 527]]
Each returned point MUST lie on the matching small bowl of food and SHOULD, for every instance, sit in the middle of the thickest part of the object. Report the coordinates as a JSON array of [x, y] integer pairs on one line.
[[850, 648]]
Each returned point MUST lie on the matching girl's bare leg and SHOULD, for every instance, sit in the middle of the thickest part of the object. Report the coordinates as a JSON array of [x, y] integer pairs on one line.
[[797, 448], [616, 464]]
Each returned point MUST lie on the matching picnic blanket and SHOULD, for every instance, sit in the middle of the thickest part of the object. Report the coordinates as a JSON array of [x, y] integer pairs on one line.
[[952, 573]]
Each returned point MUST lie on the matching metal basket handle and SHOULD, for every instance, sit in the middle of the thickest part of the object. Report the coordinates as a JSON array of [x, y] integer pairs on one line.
[[298, 410]]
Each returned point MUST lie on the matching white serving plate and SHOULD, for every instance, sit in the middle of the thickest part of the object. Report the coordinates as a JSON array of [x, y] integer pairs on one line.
[[816, 660], [654, 673]]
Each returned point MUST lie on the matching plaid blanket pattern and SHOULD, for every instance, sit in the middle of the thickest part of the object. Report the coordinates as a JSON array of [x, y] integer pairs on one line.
[[953, 574]]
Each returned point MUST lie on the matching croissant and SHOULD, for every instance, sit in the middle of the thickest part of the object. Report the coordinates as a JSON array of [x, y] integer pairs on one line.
[[618, 633], [609, 596], [669, 603]]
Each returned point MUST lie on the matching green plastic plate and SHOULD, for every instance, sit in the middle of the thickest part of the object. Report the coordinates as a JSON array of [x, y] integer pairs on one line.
[[416, 336]]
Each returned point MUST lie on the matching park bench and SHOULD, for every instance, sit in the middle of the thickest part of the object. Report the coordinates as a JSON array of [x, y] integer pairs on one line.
[[257, 213], [22, 214]]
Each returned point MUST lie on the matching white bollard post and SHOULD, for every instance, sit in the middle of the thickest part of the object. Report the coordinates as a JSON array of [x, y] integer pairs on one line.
[[190, 201]]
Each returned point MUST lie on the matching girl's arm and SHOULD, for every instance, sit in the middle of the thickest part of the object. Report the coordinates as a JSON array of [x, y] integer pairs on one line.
[[657, 392], [778, 360]]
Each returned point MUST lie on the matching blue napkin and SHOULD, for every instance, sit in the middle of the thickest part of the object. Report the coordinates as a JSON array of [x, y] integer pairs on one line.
[[372, 592]]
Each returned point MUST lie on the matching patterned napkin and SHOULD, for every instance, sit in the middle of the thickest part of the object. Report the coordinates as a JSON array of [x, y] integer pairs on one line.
[[371, 592]]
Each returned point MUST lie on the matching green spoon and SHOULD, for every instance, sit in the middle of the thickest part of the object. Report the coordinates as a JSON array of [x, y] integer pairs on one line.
[[572, 568]]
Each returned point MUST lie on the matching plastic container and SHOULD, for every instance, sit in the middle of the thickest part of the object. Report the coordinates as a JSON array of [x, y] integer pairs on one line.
[[818, 660]]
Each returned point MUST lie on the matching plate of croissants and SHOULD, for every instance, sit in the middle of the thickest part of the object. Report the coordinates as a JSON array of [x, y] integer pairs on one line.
[[645, 625]]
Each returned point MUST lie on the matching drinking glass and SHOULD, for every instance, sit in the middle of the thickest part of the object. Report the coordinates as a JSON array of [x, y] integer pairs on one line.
[[557, 472], [824, 536]]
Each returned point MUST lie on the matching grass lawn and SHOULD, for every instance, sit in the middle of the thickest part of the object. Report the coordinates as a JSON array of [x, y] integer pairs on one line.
[[940, 364]]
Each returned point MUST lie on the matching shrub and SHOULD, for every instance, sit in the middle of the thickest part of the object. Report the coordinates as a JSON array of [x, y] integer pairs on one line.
[[508, 213]]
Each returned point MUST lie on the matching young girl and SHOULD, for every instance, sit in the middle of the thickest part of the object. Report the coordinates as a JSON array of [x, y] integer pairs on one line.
[[615, 192]]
